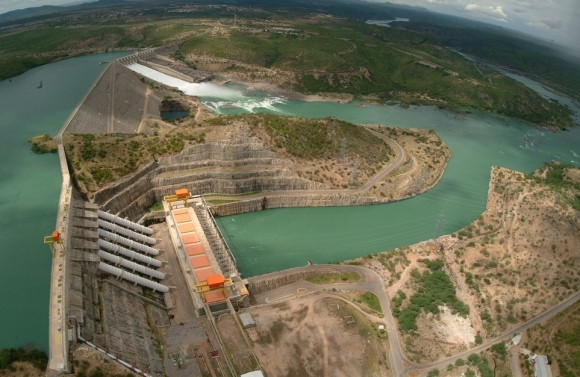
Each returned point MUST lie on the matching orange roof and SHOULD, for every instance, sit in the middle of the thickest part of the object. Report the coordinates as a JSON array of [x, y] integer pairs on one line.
[[181, 193], [201, 274], [186, 228], [182, 217], [214, 296], [215, 281], [189, 238], [55, 236], [180, 211], [199, 261], [194, 249]]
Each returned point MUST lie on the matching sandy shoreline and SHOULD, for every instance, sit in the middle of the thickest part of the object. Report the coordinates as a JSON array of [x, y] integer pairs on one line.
[[341, 98]]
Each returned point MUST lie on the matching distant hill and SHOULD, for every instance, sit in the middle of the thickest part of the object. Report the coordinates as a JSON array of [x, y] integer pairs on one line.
[[48, 10], [29, 12]]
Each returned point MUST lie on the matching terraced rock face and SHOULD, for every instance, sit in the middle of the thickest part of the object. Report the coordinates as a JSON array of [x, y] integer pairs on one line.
[[230, 167]]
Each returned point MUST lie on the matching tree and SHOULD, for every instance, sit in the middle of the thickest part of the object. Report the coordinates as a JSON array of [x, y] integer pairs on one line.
[[433, 373], [499, 349], [473, 359]]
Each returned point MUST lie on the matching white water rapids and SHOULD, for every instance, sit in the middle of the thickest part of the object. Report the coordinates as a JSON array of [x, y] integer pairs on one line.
[[215, 97]]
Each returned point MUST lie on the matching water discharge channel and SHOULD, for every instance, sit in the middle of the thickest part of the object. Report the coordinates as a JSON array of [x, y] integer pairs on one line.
[[261, 241]]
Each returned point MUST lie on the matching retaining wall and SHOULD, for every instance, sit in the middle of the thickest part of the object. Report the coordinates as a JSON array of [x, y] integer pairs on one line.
[[311, 200], [265, 283]]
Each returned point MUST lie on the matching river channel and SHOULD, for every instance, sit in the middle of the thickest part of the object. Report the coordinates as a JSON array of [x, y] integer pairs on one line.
[[261, 241]]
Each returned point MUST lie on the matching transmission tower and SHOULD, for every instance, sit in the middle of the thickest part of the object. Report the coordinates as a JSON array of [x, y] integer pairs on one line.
[[342, 152], [439, 229], [353, 175]]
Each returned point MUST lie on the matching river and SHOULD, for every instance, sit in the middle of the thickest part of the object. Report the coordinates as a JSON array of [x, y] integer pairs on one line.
[[262, 241]]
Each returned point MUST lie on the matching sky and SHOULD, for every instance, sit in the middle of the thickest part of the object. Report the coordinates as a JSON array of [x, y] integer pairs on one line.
[[557, 20]]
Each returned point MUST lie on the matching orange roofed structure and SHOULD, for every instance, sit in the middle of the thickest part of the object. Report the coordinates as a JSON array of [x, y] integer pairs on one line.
[[181, 193], [215, 281]]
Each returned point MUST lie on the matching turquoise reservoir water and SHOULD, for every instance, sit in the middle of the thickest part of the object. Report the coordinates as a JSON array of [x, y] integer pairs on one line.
[[29, 190]]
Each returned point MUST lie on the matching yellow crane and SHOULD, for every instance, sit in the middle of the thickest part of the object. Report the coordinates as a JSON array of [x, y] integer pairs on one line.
[[180, 194], [212, 283], [52, 239]]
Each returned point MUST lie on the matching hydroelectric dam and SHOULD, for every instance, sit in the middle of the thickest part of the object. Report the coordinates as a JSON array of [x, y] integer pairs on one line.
[[126, 289], [116, 285]]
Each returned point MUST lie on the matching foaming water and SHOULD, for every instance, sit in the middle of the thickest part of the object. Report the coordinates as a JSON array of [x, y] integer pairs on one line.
[[249, 104], [192, 89], [218, 98]]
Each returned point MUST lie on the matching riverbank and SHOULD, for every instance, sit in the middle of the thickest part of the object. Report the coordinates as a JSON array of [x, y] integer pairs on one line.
[[493, 263], [272, 88]]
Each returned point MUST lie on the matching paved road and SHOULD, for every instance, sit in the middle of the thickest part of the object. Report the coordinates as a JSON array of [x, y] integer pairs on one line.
[[373, 283], [388, 169], [111, 115]]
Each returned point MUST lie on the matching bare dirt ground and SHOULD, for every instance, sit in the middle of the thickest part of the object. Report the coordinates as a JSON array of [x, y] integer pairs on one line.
[[518, 258], [425, 163], [89, 361], [317, 336], [237, 347], [514, 262]]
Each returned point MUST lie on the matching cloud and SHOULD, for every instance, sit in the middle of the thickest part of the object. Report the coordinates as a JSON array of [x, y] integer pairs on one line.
[[496, 13], [553, 24], [547, 24], [519, 10]]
